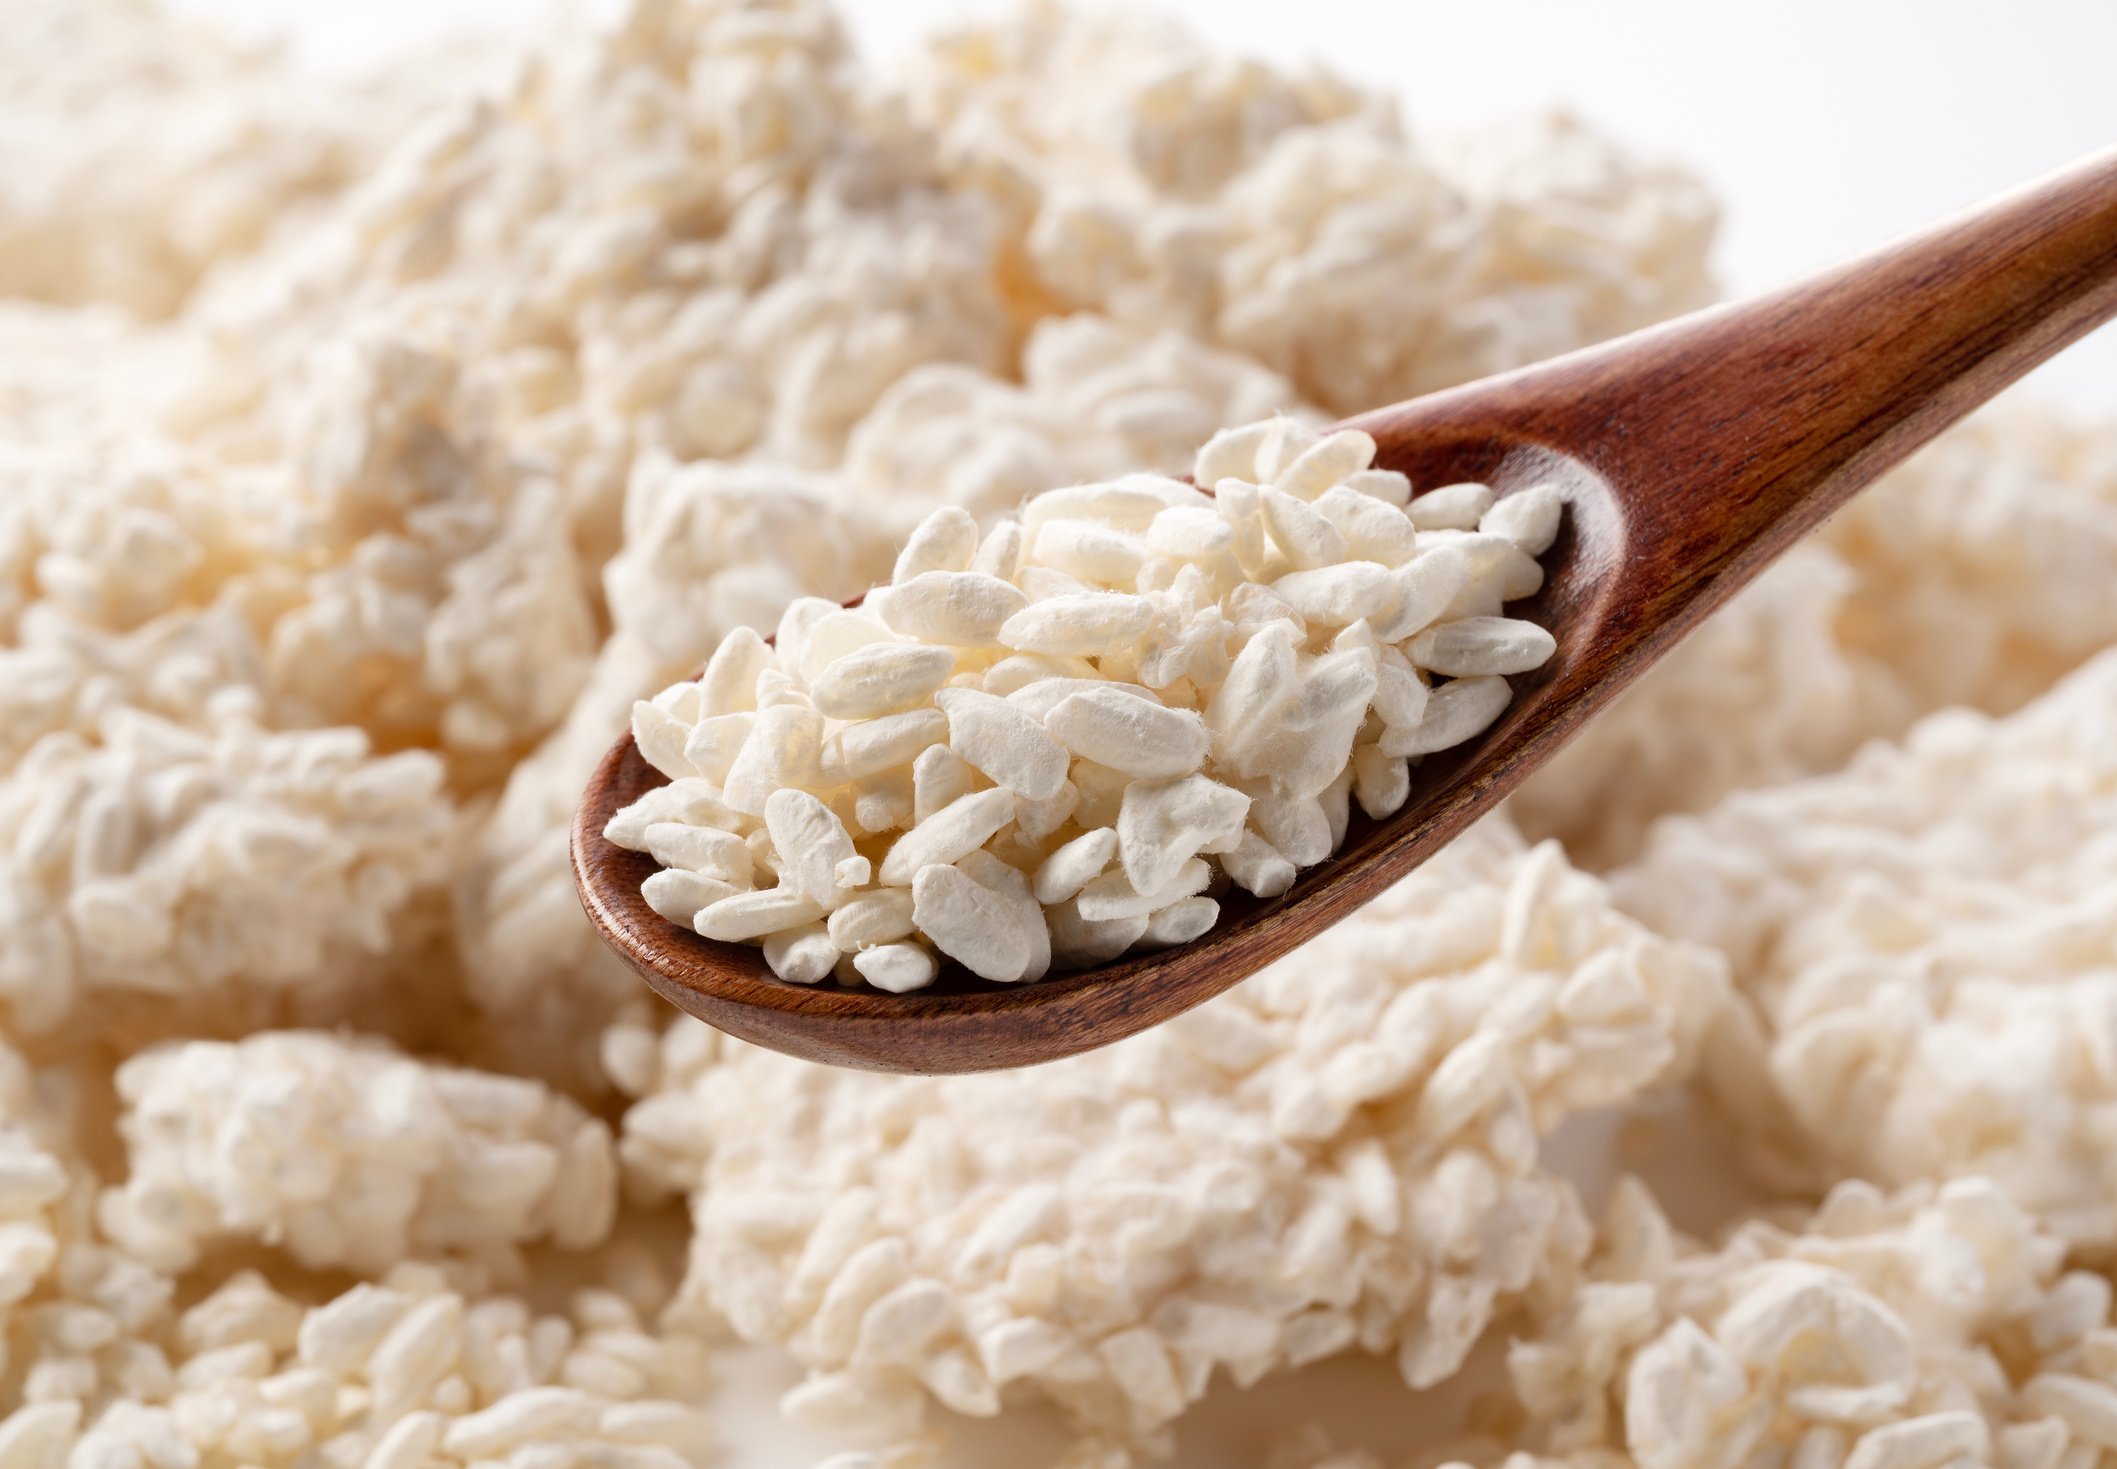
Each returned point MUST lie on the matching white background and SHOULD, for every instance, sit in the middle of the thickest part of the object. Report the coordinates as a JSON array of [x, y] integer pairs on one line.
[[1827, 126]]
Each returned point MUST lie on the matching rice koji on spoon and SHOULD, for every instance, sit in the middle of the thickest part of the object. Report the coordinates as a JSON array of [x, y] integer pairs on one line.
[[1686, 457]]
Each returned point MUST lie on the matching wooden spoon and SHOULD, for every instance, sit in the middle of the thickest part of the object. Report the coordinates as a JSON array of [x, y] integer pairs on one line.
[[1690, 455]]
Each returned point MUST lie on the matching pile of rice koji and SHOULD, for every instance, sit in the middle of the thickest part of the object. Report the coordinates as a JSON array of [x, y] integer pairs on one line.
[[368, 448]]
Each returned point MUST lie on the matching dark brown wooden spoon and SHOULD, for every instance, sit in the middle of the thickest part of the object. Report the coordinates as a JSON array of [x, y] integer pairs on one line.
[[1690, 455]]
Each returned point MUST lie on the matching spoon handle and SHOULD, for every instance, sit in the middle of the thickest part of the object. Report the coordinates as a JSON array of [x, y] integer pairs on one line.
[[1726, 435]]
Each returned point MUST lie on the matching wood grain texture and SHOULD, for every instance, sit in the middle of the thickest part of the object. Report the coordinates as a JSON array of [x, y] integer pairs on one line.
[[1690, 456]]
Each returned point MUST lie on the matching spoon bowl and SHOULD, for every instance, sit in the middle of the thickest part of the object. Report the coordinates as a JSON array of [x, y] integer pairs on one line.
[[1689, 456], [962, 1019]]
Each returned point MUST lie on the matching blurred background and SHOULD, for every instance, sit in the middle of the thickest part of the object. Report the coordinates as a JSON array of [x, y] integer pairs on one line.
[[1826, 125]]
